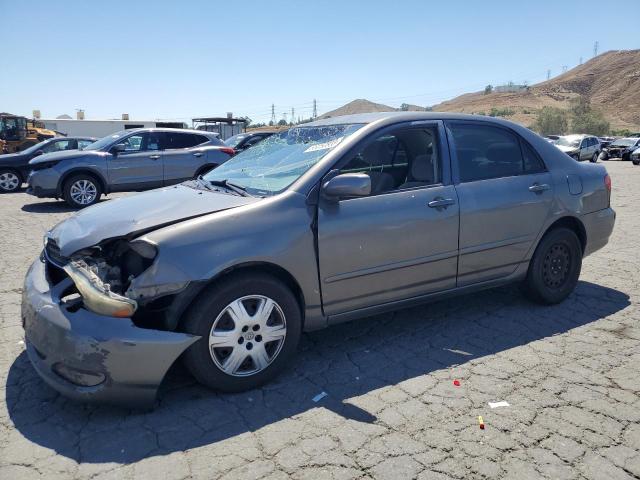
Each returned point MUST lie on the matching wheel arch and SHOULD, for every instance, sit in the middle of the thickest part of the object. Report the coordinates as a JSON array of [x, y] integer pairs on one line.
[[572, 223], [206, 168], [79, 170], [268, 268]]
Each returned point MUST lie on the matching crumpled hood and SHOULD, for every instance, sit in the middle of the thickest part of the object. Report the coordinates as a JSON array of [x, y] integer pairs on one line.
[[58, 156], [139, 213]]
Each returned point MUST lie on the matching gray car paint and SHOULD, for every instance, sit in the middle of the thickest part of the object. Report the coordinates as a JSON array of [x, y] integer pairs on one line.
[[127, 170], [316, 243]]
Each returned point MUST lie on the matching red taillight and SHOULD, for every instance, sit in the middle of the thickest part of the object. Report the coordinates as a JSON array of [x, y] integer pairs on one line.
[[228, 151], [607, 183]]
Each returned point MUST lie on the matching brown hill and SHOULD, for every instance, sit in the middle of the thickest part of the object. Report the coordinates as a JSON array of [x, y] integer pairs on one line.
[[611, 82], [358, 106]]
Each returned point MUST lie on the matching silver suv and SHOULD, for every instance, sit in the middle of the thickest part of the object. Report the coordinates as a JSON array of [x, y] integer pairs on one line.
[[137, 159], [580, 147]]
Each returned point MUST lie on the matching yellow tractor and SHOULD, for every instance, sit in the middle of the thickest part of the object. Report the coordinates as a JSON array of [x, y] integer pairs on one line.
[[18, 133]]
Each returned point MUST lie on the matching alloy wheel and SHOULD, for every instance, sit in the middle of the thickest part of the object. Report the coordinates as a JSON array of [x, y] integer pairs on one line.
[[247, 335], [9, 181], [83, 192]]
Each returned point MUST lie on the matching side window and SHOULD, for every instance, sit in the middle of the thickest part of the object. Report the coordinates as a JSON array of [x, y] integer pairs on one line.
[[59, 146], [84, 143], [133, 143], [486, 152], [399, 160], [184, 140], [532, 161]]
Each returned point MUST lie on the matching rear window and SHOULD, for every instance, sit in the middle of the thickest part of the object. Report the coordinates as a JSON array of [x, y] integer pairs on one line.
[[485, 152], [183, 140]]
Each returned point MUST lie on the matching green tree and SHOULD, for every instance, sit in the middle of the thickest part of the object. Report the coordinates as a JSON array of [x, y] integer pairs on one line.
[[551, 120], [282, 123], [404, 107], [585, 119], [488, 89]]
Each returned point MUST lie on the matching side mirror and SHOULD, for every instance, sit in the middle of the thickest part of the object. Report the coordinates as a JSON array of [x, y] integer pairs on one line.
[[347, 185], [38, 153], [118, 147]]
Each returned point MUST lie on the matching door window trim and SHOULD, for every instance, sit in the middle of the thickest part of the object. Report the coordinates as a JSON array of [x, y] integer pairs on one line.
[[443, 150], [455, 169]]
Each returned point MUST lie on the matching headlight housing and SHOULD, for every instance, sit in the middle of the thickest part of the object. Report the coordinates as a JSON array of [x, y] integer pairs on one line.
[[103, 274], [97, 295]]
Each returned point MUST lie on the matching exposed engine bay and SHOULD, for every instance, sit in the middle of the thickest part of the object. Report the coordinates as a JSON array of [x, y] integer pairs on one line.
[[112, 266]]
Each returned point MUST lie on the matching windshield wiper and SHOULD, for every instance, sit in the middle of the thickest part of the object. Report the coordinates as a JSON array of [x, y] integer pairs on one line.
[[239, 189]]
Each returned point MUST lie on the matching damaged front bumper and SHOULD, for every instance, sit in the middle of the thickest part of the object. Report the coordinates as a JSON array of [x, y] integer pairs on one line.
[[91, 357]]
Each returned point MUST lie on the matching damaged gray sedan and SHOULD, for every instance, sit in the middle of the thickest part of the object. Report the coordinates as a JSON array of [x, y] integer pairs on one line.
[[334, 220]]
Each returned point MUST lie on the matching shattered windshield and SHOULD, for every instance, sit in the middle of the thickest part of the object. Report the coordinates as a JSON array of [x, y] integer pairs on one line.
[[276, 162]]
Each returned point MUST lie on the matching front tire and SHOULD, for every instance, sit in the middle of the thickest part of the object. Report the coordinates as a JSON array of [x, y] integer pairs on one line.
[[636, 161], [10, 180], [554, 268], [250, 326], [81, 190], [594, 159]]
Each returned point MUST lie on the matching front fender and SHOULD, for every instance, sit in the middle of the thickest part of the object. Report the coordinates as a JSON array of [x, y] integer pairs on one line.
[[275, 231]]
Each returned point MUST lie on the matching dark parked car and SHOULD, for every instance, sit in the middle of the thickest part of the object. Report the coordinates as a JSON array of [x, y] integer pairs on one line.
[[242, 141], [620, 148], [14, 167], [137, 159], [635, 156], [337, 219]]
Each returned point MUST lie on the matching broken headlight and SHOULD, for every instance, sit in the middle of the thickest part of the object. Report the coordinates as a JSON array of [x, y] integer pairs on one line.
[[103, 274]]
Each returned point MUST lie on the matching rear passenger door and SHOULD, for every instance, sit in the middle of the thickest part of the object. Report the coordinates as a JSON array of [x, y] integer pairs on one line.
[[505, 196], [181, 156], [401, 241]]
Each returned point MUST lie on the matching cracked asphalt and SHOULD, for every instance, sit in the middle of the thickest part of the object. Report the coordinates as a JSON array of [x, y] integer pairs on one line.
[[570, 374]]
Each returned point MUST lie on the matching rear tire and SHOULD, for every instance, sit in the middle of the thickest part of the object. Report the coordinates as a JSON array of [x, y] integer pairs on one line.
[[636, 162], [554, 268], [10, 180], [233, 353], [82, 190]]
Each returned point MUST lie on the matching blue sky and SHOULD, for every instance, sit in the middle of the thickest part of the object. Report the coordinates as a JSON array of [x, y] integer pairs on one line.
[[179, 59]]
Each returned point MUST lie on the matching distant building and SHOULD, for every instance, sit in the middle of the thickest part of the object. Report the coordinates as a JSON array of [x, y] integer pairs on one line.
[[102, 128], [510, 87]]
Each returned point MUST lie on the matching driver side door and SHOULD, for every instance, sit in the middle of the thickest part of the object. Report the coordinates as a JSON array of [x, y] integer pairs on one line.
[[401, 241], [139, 166]]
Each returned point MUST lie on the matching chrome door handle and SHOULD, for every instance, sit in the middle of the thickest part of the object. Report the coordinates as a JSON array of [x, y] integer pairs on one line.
[[154, 157], [440, 202], [539, 187], [197, 154]]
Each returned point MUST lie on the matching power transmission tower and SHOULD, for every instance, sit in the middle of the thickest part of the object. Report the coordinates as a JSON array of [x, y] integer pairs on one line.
[[293, 118], [273, 114], [548, 74], [595, 49], [564, 68], [580, 60], [284, 116], [315, 108]]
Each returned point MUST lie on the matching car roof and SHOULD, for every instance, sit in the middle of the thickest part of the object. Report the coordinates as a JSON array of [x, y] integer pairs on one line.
[[576, 136], [178, 130], [398, 117]]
